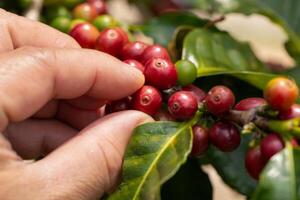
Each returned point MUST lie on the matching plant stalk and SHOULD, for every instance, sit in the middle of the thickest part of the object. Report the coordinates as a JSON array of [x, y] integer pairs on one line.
[[285, 128]]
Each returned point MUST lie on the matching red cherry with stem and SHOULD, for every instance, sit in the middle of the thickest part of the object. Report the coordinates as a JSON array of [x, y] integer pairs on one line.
[[148, 100], [135, 64], [117, 106], [219, 100], [250, 103], [225, 136], [292, 112], [182, 105], [160, 73], [110, 41], [85, 11], [270, 145], [254, 162], [99, 5], [85, 34], [200, 141], [199, 93], [133, 50], [155, 51], [281, 93]]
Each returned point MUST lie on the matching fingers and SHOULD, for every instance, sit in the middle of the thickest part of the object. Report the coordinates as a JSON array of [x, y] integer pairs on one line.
[[87, 103], [34, 138], [93, 158], [31, 77], [47, 111], [5, 39], [76, 117], [18, 31]]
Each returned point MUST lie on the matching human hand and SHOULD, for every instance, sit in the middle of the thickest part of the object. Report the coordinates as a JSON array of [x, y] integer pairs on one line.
[[49, 92]]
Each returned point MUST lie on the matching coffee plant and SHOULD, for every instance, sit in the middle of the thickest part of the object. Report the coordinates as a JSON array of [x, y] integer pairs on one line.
[[213, 100]]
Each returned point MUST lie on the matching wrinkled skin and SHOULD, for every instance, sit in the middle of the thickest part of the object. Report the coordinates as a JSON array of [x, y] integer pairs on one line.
[[44, 74]]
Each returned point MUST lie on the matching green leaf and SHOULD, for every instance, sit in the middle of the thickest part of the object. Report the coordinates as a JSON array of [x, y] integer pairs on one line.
[[281, 177], [189, 183], [216, 53], [161, 29], [155, 153], [231, 167]]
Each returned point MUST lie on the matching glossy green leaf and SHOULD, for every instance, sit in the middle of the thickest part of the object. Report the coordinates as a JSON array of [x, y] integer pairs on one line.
[[280, 179], [189, 183], [216, 53], [161, 29], [155, 153], [231, 167]]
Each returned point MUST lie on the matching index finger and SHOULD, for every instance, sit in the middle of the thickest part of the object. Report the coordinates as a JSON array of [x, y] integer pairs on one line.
[[17, 31], [30, 77]]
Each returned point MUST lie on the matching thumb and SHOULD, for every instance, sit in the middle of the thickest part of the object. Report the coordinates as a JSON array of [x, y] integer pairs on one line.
[[89, 165]]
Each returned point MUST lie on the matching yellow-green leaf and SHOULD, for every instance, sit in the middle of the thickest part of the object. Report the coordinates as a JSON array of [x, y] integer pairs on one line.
[[155, 153]]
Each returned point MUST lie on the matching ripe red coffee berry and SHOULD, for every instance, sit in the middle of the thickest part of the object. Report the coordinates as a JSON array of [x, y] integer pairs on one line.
[[199, 93], [99, 5], [281, 93], [270, 145], [200, 141], [147, 99], [110, 41], [133, 50], [117, 106], [224, 136], [219, 100], [85, 11], [254, 162], [292, 112], [135, 64], [85, 34], [250, 103], [182, 105], [155, 51], [160, 73]]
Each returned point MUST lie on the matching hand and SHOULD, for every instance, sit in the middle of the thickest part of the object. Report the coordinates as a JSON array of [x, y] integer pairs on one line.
[[49, 92]]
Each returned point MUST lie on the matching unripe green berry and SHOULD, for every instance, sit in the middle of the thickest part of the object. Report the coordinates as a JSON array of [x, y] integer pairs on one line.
[[105, 21], [62, 24], [187, 72]]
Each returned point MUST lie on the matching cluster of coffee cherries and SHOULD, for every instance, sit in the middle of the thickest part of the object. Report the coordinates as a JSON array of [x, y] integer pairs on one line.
[[65, 18], [280, 94], [161, 74]]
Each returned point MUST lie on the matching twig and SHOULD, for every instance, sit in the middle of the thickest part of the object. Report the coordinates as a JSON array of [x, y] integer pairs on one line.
[[285, 128], [214, 22]]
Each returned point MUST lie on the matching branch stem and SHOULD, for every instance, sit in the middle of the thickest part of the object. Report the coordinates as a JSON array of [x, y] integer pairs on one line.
[[285, 128]]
